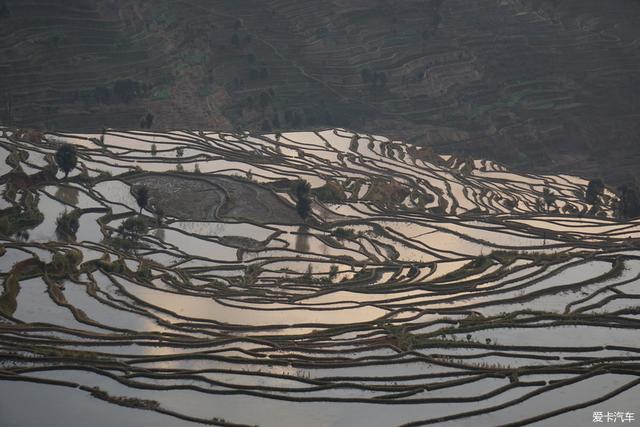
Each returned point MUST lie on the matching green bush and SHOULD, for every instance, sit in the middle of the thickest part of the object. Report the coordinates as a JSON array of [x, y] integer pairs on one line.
[[132, 228], [344, 233], [144, 271], [19, 218], [66, 158], [129, 234], [331, 192], [65, 264], [67, 224]]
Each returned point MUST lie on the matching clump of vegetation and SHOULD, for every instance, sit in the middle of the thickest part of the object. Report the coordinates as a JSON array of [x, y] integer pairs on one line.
[[129, 402], [30, 135], [386, 192], [303, 202], [15, 157], [25, 215], [8, 303], [10, 191], [250, 276], [309, 278], [425, 153], [133, 228], [123, 244], [30, 267], [129, 234], [362, 274], [507, 257], [65, 264], [353, 144], [548, 197], [404, 339], [84, 176], [159, 215], [330, 192], [66, 158], [478, 265], [595, 188], [343, 233], [628, 202], [468, 165], [118, 266], [67, 224], [308, 275], [141, 194], [333, 272], [510, 204], [144, 270], [481, 262]]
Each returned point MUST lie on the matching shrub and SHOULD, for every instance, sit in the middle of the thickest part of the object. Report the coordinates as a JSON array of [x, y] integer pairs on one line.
[[65, 264], [303, 204], [144, 271], [118, 266], [26, 215], [549, 197], [344, 233], [386, 192], [66, 158], [331, 192], [67, 224], [593, 192], [403, 338], [333, 272], [132, 228], [629, 203], [141, 195]]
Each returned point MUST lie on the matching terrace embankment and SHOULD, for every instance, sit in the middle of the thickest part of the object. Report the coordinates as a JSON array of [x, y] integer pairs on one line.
[[418, 290]]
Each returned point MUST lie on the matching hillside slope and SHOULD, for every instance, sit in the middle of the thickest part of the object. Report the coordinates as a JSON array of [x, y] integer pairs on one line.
[[547, 84]]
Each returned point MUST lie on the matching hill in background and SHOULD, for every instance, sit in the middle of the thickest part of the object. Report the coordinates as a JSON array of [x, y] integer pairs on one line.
[[547, 85]]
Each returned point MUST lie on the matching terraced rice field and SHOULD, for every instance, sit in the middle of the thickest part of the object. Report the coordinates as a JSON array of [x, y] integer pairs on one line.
[[422, 290]]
